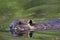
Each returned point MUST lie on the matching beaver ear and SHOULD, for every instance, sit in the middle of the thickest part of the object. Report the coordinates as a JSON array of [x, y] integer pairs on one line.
[[30, 21]]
